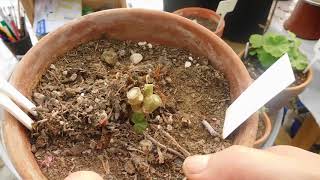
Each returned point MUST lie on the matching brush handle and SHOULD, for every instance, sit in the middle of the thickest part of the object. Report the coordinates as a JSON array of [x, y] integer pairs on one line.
[[19, 98], [14, 110], [22, 27]]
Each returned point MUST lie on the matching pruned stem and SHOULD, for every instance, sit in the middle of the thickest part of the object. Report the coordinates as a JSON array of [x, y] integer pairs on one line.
[[173, 140], [163, 146], [210, 128], [134, 96]]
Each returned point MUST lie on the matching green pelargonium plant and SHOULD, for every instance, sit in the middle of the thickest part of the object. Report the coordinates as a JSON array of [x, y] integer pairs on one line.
[[142, 104], [270, 47]]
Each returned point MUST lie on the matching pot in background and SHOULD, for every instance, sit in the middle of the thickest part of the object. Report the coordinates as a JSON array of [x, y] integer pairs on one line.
[[204, 13], [284, 97], [122, 24], [305, 20]]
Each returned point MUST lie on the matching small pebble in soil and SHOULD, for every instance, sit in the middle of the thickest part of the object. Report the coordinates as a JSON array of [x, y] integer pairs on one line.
[[122, 52], [65, 73], [73, 77], [109, 56], [39, 98], [136, 58], [217, 139], [52, 66], [56, 94], [129, 167], [149, 45], [185, 122], [80, 99], [142, 43], [149, 79], [168, 79], [169, 127], [146, 145], [190, 58], [89, 109], [187, 64], [158, 118], [141, 165], [168, 120]]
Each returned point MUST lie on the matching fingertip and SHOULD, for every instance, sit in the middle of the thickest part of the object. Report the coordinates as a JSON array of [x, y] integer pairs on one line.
[[84, 175], [195, 164]]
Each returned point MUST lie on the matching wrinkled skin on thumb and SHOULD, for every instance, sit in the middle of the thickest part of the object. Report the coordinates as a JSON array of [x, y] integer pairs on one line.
[[237, 162], [84, 175]]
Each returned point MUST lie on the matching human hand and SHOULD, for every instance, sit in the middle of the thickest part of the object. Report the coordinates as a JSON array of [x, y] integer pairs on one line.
[[84, 175], [238, 162]]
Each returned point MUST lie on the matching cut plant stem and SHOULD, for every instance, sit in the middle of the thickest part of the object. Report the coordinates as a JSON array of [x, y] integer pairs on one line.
[[135, 96], [173, 140], [163, 146], [151, 103], [148, 90], [210, 128]]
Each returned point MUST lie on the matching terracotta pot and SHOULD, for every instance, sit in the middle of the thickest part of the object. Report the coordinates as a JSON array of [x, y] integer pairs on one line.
[[284, 97], [123, 24], [305, 20], [268, 127], [202, 13]]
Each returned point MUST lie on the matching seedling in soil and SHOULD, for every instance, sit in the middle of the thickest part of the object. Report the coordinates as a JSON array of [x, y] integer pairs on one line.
[[270, 47], [142, 105]]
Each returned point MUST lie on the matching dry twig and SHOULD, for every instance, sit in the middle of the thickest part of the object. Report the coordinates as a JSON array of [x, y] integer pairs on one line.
[[210, 128], [173, 140], [163, 146], [105, 165], [161, 158]]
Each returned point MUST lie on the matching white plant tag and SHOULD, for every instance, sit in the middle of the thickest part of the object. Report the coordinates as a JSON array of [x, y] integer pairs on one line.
[[225, 7], [269, 84]]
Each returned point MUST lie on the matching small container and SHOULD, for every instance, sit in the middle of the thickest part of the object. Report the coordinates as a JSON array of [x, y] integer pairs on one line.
[[20, 47]]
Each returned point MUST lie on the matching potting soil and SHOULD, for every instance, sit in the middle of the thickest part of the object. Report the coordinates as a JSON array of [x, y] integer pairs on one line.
[[84, 118], [255, 70], [211, 25]]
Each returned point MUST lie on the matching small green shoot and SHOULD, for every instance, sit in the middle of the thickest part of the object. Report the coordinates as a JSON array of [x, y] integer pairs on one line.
[[270, 47], [140, 123], [142, 104]]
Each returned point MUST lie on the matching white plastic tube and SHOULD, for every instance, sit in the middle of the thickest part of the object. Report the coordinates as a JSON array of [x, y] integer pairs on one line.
[[16, 96], [13, 109]]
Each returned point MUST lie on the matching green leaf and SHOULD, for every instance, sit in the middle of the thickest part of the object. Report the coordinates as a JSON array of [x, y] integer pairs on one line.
[[148, 90], [266, 59], [298, 60], [291, 35], [137, 117], [275, 45], [252, 52], [140, 127], [256, 40], [140, 123]]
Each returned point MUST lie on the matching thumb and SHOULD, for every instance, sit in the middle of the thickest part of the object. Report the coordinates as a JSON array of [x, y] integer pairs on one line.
[[239, 162], [83, 175]]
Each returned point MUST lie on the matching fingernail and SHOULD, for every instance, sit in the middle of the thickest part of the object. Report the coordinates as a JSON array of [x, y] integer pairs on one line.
[[195, 164]]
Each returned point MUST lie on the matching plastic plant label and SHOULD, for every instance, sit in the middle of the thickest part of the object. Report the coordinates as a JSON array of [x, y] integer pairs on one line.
[[269, 84], [225, 7]]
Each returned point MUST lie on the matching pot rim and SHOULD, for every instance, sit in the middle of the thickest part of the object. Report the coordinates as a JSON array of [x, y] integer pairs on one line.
[[204, 11], [19, 149], [296, 87]]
